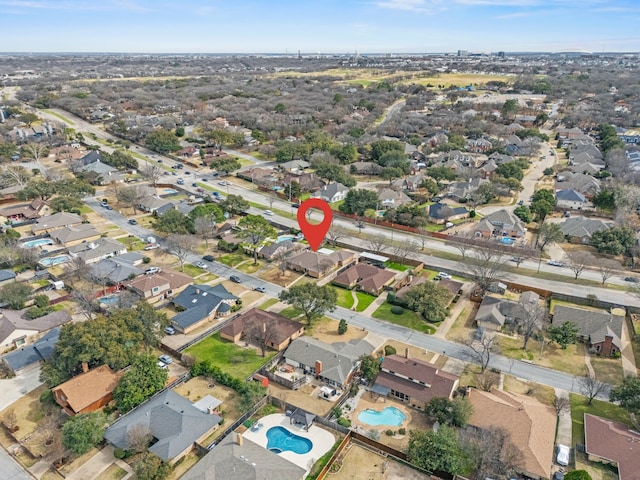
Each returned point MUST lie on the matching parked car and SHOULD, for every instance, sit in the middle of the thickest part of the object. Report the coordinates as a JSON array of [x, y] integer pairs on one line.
[[268, 212], [235, 279], [108, 207], [166, 359], [632, 279], [217, 194], [151, 270], [558, 475], [133, 221], [180, 181], [152, 246], [161, 365], [208, 258], [169, 330], [520, 202], [562, 458], [260, 289], [555, 263], [194, 184], [295, 205], [202, 265], [443, 276]]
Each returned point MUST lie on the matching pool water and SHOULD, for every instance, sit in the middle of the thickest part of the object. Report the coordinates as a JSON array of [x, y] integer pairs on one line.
[[37, 243], [51, 261], [170, 191], [108, 300], [507, 241], [284, 238], [389, 416], [279, 440]]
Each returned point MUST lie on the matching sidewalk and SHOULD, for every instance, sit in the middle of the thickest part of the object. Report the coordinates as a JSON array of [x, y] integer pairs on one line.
[[375, 305], [629, 367], [98, 464], [564, 421]]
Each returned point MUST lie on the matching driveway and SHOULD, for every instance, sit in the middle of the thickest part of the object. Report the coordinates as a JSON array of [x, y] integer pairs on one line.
[[98, 464], [11, 389]]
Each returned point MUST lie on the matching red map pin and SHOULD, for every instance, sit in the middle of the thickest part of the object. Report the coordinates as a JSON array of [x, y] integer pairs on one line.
[[315, 233]]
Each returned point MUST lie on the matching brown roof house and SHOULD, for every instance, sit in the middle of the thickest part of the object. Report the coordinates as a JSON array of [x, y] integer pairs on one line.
[[500, 223], [25, 211], [613, 442], [75, 234], [157, 286], [600, 330], [53, 222], [318, 264], [87, 392], [413, 381], [531, 426], [495, 312], [365, 277], [268, 328]]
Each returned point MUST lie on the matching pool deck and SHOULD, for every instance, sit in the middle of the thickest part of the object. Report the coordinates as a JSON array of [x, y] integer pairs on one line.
[[378, 404], [322, 440]]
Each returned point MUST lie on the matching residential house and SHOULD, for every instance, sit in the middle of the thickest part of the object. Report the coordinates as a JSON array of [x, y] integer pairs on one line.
[[513, 127], [630, 136], [87, 392], [15, 330], [173, 422], [580, 229], [479, 145], [159, 285], [105, 173], [502, 223], [569, 133], [276, 249], [526, 120], [612, 442], [440, 213], [390, 198], [363, 168], [463, 191], [260, 176], [296, 167], [102, 248], [238, 457], [587, 147], [25, 211], [75, 234], [488, 169], [495, 312], [153, 203], [258, 326], [199, 304], [365, 277], [587, 156], [7, 276], [529, 424], [437, 139], [600, 330], [333, 363], [28, 355], [410, 183], [571, 200], [309, 182], [53, 222], [118, 269], [413, 381], [500, 158], [587, 168], [318, 264], [585, 184], [333, 192]]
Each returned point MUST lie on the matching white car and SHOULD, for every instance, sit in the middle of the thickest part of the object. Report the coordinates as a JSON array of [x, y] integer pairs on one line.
[[268, 212], [443, 276], [555, 263], [563, 455], [202, 265]]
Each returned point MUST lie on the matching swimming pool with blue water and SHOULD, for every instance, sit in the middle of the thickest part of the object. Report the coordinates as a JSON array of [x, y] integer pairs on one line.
[[390, 416], [279, 440]]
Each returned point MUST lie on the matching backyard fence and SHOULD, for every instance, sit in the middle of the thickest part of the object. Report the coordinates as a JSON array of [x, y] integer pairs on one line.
[[263, 401]]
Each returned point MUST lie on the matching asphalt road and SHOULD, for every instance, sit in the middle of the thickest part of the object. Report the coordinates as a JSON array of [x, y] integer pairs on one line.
[[519, 369], [10, 469]]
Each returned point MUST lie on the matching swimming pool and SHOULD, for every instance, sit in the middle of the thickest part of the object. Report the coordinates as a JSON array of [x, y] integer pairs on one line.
[[108, 300], [51, 261], [389, 416], [507, 241], [37, 243], [279, 440], [170, 191], [284, 238]]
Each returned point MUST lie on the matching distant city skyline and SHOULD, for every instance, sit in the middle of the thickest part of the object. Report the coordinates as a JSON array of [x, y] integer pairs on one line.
[[319, 26]]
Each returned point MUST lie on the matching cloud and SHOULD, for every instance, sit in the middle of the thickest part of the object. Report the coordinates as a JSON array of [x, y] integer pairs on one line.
[[117, 5], [407, 5]]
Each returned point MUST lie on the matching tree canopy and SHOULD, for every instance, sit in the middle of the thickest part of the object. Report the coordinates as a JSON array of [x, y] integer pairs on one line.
[[172, 221], [162, 141], [436, 450], [234, 204], [359, 201], [430, 300], [14, 295], [256, 231], [139, 382], [563, 334], [628, 394], [454, 412], [311, 299], [613, 241], [82, 432]]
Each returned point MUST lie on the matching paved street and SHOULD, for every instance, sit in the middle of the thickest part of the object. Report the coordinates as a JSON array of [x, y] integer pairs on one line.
[[10, 469]]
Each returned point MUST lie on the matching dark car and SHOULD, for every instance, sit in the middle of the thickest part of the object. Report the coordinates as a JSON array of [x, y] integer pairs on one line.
[[235, 279], [208, 258], [194, 184], [558, 476], [632, 279], [133, 221], [295, 205]]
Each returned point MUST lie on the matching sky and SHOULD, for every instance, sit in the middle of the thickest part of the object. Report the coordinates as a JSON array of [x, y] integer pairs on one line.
[[324, 26]]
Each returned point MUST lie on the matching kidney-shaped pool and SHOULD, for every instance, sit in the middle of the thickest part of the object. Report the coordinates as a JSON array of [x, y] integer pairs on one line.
[[279, 440]]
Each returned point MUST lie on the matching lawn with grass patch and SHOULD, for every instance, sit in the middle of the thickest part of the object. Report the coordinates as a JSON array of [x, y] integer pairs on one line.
[[345, 298], [269, 303], [291, 312], [407, 318], [232, 259], [602, 409], [400, 267], [234, 360], [61, 117], [607, 369], [113, 472], [364, 300], [192, 270], [249, 267]]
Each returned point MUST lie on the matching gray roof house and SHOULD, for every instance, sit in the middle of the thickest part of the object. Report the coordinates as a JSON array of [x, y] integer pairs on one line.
[[118, 269], [583, 228], [390, 198], [571, 199], [7, 276], [55, 221], [171, 419], [601, 330], [236, 457], [151, 203], [502, 223], [495, 312], [201, 303], [102, 248], [585, 184], [334, 192], [334, 363], [27, 355]]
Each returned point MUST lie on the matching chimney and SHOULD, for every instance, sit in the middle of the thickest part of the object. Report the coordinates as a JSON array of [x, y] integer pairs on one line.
[[197, 291], [85, 367], [264, 327], [239, 439], [406, 352], [318, 368]]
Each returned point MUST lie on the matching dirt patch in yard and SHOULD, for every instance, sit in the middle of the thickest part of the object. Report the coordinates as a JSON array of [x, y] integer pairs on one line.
[[304, 398], [414, 352], [326, 330], [273, 275], [29, 413], [360, 462]]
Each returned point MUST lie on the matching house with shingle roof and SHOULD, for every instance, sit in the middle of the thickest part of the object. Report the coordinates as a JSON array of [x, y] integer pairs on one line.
[[413, 381], [87, 392], [365, 277], [390, 198], [15, 330], [599, 329], [363, 168], [159, 285], [75, 234], [92, 252], [570, 199], [200, 303], [175, 424], [318, 264], [581, 229], [53, 222], [275, 330], [25, 211], [585, 184], [333, 363], [612, 442], [441, 212], [530, 425], [28, 355], [495, 312], [333, 192], [462, 191], [500, 223]]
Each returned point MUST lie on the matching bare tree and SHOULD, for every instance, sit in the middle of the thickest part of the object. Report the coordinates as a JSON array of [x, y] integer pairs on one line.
[[130, 196], [578, 261], [139, 438], [607, 268], [181, 246], [15, 175], [405, 249], [531, 321], [35, 152], [10, 419], [492, 452], [282, 258], [481, 349], [335, 234], [77, 268], [360, 224], [262, 334], [486, 266], [518, 259], [486, 380], [86, 301], [463, 243], [377, 243], [153, 172], [206, 227], [591, 387], [561, 404]]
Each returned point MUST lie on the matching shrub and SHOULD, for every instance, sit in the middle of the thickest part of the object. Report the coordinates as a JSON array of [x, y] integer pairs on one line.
[[119, 453], [41, 301], [344, 422], [337, 411], [402, 431], [390, 433], [472, 214], [36, 312], [146, 260], [397, 310], [389, 350], [46, 397]]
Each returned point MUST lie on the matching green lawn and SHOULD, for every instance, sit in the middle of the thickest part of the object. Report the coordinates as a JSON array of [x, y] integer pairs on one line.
[[232, 259], [407, 318], [345, 298], [291, 312], [249, 267], [192, 270], [268, 303], [364, 300], [236, 361], [602, 409], [397, 266]]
